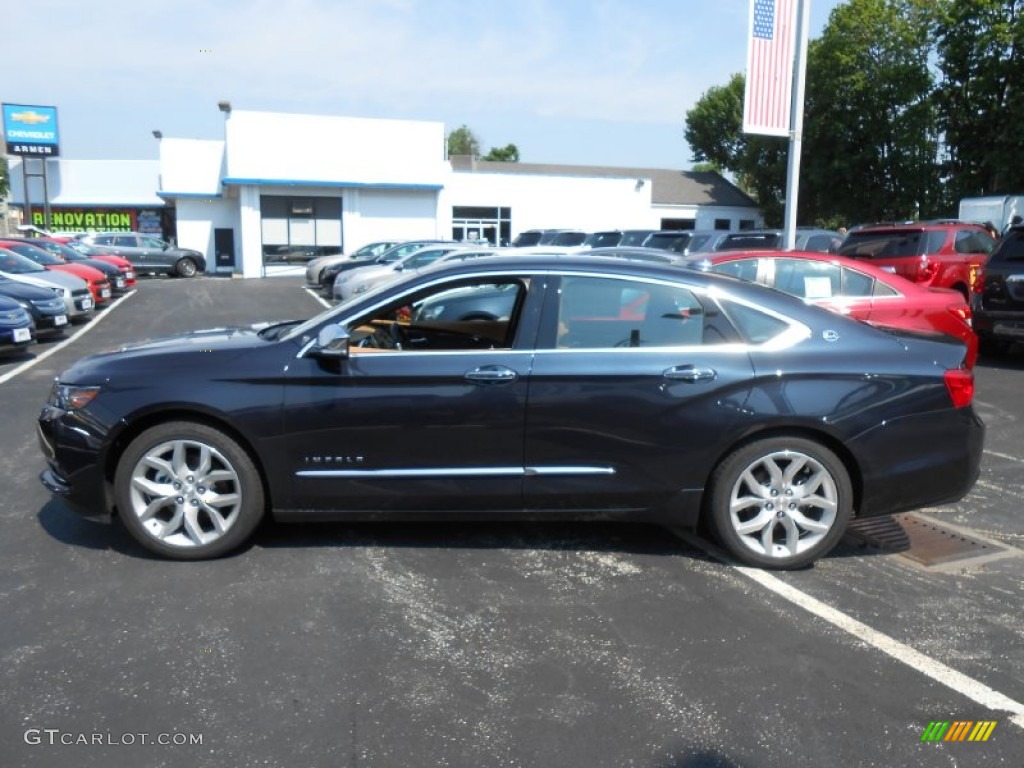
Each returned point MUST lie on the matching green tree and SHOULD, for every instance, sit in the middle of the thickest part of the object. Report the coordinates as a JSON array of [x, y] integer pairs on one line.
[[871, 139], [507, 154], [5, 176], [714, 131], [980, 46], [463, 141]]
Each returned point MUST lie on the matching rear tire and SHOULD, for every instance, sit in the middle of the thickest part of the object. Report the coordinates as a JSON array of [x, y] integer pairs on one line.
[[780, 503], [188, 491]]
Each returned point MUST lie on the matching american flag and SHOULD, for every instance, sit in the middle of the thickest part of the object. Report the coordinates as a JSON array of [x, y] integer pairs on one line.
[[770, 53]]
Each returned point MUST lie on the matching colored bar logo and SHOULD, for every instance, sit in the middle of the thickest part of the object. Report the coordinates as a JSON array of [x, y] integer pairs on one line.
[[958, 730]]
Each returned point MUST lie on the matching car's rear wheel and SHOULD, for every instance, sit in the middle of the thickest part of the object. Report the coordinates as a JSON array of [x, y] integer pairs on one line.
[[188, 491], [185, 267], [782, 502]]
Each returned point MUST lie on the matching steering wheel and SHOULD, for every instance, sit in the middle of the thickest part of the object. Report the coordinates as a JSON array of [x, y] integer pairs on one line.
[[396, 335]]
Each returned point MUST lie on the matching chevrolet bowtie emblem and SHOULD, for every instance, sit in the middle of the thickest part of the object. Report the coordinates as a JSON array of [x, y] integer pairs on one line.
[[33, 118]]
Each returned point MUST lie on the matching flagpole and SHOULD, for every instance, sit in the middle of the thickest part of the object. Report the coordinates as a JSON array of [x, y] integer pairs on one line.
[[796, 124]]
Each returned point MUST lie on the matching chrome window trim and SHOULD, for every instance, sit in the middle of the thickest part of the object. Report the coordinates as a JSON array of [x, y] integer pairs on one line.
[[797, 330]]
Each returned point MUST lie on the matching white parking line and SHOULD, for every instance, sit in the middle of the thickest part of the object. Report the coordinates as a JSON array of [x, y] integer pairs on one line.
[[936, 670], [321, 299], [74, 337], [1004, 456]]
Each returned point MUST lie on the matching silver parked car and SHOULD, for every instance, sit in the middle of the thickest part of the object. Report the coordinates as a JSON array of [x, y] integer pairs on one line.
[[316, 267]]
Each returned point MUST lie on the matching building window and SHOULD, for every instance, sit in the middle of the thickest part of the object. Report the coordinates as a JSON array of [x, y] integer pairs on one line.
[[300, 228], [472, 223], [747, 224], [678, 223], [725, 224]]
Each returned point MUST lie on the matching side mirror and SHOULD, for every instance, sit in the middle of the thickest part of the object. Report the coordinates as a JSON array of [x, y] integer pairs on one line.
[[331, 342]]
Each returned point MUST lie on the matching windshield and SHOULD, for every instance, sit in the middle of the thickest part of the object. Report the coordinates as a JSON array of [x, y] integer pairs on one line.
[[751, 242], [17, 264], [59, 249], [37, 255], [882, 245]]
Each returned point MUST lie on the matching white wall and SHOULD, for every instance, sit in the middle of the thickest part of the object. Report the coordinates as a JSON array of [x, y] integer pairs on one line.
[[196, 220], [191, 166], [337, 150], [562, 202]]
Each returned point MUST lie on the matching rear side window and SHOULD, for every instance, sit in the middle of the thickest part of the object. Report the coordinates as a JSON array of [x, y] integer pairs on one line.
[[124, 241], [807, 279], [605, 313], [756, 326]]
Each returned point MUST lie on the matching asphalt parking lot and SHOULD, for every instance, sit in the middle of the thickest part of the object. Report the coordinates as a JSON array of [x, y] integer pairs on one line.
[[513, 644]]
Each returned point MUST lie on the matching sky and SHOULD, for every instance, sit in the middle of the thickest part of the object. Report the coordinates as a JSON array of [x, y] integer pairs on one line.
[[582, 82]]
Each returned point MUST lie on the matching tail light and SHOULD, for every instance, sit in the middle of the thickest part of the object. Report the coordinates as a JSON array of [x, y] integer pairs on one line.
[[977, 278], [962, 311], [927, 270], [960, 385]]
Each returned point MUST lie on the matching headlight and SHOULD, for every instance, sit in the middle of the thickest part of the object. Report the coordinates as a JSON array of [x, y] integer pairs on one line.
[[70, 397]]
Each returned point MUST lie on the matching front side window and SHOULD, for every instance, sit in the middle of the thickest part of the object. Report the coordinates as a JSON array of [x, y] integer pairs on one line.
[[152, 242], [745, 269], [479, 314]]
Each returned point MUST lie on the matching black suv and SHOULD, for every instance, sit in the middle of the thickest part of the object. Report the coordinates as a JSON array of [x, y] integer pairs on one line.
[[999, 318]]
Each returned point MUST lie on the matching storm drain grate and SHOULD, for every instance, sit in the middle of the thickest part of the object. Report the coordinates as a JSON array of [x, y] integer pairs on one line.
[[883, 532], [934, 544], [922, 540]]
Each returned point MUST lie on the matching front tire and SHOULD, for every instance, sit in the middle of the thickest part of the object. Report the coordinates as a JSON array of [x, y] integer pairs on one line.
[[185, 267], [188, 491], [780, 503]]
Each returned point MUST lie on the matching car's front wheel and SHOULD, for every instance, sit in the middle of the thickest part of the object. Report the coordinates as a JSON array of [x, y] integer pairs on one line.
[[185, 267], [188, 491], [781, 503]]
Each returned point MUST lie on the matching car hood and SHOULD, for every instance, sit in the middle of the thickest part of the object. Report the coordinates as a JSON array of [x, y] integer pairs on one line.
[[209, 348], [25, 291]]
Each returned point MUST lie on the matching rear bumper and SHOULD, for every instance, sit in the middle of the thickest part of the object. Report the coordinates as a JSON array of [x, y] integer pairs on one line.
[[919, 461]]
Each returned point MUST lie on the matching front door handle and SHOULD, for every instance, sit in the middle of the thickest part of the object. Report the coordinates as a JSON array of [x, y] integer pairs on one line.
[[491, 374], [689, 373]]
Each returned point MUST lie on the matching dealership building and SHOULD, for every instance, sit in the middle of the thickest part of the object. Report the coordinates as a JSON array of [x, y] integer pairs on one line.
[[285, 183]]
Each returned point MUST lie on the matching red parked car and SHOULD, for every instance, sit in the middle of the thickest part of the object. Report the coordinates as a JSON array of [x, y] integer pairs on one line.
[[937, 254], [123, 281], [853, 288], [99, 286], [121, 262]]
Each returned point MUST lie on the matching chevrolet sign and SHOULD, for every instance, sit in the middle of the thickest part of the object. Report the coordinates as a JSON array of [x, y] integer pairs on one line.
[[31, 130]]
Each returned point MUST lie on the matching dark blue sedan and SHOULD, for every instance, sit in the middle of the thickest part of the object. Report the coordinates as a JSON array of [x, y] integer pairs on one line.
[[17, 331], [601, 388]]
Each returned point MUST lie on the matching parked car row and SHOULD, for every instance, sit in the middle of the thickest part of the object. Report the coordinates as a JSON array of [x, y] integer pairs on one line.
[[53, 286]]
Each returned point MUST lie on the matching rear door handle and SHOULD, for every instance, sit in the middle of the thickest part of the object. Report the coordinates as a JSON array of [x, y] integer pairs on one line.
[[689, 373], [491, 374]]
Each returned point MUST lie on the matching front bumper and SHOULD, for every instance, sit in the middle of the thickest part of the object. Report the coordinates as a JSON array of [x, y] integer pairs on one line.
[[73, 451]]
